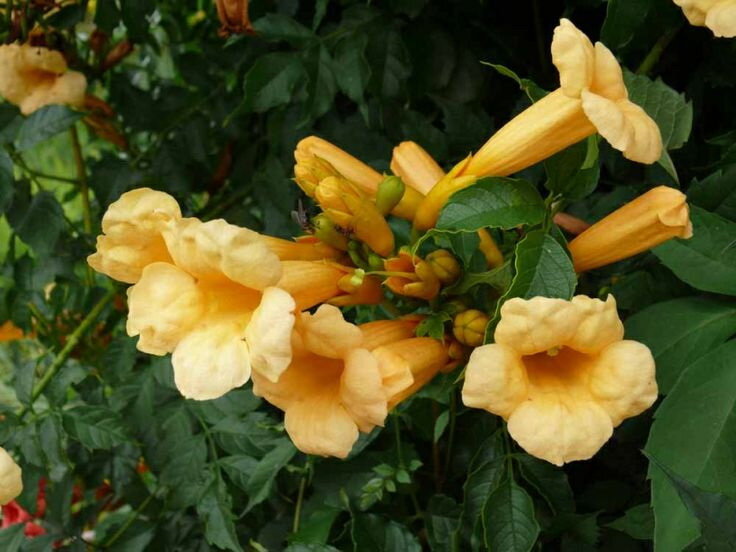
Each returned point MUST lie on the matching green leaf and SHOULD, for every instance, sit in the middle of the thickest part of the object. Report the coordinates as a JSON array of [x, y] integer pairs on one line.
[[532, 89], [440, 425], [637, 522], [11, 538], [67, 16], [40, 224], [45, 123], [391, 63], [107, 16], [715, 511], [574, 172], [543, 268], [441, 518], [7, 181], [671, 111], [484, 474], [373, 533], [315, 528], [623, 19], [355, 72], [135, 16], [495, 203], [707, 261], [508, 519], [25, 373], [716, 193], [96, 427], [498, 278], [549, 481], [215, 510], [693, 435], [277, 26], [239, 468], [271, 81], [433, 325], [322, 87], [679, 332], [264, 474]]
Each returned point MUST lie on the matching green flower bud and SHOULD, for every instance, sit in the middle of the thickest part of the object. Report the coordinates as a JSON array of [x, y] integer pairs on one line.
[[389, 194]]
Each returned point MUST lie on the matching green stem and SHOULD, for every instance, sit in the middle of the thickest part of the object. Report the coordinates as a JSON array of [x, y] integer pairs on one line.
[[402, 465], [451, 435], [656, 52], [300, 495], [128, 522], [71, 343]]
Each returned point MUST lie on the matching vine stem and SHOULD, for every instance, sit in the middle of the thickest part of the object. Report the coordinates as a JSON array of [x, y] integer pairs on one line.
[[656, 52], [128, 522], [300, 495], [71, 343], [402, 465]]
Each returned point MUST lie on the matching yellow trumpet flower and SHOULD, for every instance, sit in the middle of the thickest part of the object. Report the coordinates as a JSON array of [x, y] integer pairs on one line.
[[649, 220], [718, 15], [592, 98], [561, 375], [32, 77], [347, 166], [346, 206], [429, 209], [11, 480], [337, 387]]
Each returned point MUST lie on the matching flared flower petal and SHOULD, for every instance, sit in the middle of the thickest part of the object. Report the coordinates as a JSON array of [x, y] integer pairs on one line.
[[132, 237], [561, 375], [649, 220], [574, 57], [164, 305], [536, 325], [500, 390], [321, 426], [11, 480], [623, 380], [211, 360], [560, 431], [268, 333], [327, 334], [718, 15], [217, 252], [361, 390]]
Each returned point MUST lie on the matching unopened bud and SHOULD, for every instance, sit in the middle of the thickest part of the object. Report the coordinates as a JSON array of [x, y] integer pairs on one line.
[[375, 262], [119, 52], [234, 17], [308, 173], [325, 231], [389, 194], [445, 266], [469, 327]]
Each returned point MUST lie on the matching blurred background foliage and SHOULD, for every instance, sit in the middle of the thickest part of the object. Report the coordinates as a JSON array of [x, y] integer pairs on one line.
[[127, 464]]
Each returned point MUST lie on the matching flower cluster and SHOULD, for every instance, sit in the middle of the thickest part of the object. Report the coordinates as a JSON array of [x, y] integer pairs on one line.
[[232, 305]]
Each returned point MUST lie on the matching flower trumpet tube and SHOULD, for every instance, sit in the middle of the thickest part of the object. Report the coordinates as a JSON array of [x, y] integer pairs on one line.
[[592, 98], [204, 291], [561, 375], [11, 480], [10, 332], [718, 15], [419, 170], [306, 248], [33, 77], [649, 220], [315, 282], [429, 209], [411, 276], [346, 206], [408, 365], [345, 165]]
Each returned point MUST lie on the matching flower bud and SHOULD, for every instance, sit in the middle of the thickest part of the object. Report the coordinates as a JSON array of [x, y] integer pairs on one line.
[[11, 481], [309, 172], [469, 327], [389, 194], [119, 52], [234, 17], [326, 232], [487, 246], [445, 266]]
